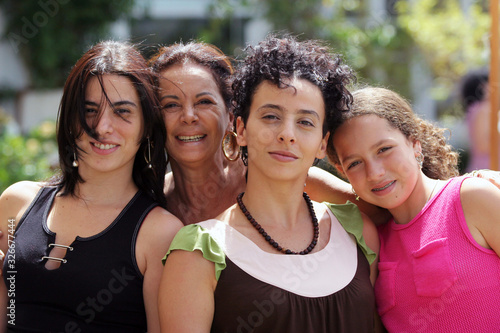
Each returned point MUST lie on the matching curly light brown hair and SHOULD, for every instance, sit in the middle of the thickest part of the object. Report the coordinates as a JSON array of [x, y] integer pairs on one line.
[[440, 160]]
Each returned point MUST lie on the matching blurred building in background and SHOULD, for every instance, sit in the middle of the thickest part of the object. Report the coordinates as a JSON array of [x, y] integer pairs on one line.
[[154, 22]]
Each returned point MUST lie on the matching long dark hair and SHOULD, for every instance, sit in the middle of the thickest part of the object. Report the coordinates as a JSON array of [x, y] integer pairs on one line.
[[117, 58]]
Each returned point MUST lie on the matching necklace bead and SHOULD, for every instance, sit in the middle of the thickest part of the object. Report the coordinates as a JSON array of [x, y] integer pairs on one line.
[[270, 240]]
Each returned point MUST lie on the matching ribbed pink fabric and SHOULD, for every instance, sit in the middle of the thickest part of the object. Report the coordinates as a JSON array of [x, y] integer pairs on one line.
[[433, 276]]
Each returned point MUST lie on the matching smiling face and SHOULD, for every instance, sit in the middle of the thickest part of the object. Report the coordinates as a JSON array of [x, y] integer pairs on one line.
[[119, 125], [378, 160], [283, 133], [195, 114]]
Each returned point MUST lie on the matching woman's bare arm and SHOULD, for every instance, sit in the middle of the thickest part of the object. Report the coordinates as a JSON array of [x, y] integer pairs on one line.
[[322, 186]]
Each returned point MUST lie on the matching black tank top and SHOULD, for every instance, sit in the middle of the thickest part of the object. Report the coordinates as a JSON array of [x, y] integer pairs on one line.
[[98, 289]]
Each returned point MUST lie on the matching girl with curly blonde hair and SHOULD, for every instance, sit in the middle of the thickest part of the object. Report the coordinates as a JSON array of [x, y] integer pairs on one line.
[[439, 255]]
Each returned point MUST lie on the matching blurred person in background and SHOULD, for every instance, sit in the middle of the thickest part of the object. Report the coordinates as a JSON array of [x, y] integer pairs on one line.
[[475, 99]]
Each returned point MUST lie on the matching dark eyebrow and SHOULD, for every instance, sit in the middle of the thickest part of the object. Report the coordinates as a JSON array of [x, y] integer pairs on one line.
[[311, 112], [381, 143], [119, 103], [279, 108], [271, 106], [169, 96], [375, 145], [204, 93]]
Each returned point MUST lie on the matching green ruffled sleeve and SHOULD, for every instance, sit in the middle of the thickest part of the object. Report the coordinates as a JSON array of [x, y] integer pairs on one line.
[[193, 237], [350, 218]]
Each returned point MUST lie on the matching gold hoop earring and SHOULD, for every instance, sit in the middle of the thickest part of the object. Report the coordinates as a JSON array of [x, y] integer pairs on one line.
[[75, 160], [354, 192], [420, 159], [230, 146], [148, 158]]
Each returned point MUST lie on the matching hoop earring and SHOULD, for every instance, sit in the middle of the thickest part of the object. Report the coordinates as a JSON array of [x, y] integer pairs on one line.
[[148, 158], [354, 192], [420, 159], [230, 146], [75, 160]]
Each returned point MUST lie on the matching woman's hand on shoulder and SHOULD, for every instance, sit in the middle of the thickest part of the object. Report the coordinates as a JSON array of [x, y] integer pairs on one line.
[[322, 186], [490, 175], [481, 201]]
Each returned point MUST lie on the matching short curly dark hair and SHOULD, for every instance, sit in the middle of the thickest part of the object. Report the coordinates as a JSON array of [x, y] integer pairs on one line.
[[277, 59]]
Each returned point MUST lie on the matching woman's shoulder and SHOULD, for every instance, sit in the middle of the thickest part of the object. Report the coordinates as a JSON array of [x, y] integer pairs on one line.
[[155, 235], [477, 188], [19, 195], [160, 223], [480, 200], [23, 189], [14, 201], [358, 224], [199, 238], [477, 193]]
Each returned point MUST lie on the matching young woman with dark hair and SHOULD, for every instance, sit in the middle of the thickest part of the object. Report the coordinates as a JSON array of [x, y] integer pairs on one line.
[[87, 248]]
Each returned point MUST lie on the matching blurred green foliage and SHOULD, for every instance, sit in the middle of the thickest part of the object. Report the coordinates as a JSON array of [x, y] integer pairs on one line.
[[51, 35], [452, 39], [29, 157], [447, 38], [374, 45], [379, 44]]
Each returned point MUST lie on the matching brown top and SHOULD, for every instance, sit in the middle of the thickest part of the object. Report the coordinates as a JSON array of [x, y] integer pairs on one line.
[[261, 307], [257, 291]]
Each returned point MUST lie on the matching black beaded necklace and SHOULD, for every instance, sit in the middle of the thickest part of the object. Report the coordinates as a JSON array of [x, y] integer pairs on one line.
[[272, 241]]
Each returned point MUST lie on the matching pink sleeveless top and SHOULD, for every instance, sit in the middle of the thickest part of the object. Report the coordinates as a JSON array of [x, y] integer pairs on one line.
[[433, 276]]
